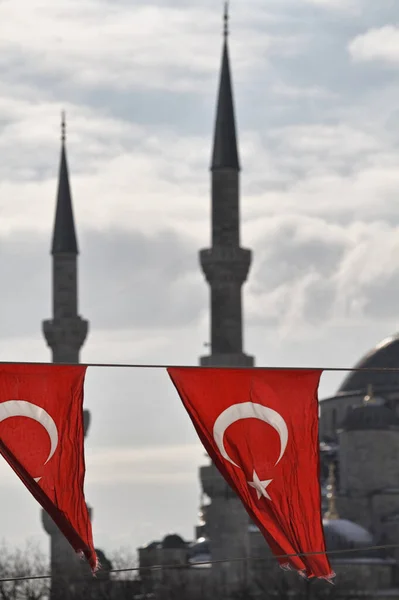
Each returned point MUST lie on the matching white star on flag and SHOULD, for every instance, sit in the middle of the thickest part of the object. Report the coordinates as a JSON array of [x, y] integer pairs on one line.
[[260, 486]]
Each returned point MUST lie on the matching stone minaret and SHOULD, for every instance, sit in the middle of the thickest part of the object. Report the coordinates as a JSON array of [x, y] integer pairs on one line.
[[65, 334], [225, 266]]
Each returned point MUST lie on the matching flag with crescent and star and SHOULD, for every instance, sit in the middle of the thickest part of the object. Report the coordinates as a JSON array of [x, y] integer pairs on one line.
[[260, 428], [42, 439]]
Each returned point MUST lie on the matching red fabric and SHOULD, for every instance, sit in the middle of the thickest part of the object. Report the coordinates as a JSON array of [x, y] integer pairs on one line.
[[26, 391], [291, 520]]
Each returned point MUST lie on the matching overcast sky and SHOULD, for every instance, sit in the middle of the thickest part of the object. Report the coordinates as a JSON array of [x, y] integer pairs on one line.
[[317, 88]]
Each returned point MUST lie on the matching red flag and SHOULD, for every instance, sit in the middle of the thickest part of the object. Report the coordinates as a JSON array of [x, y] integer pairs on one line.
[[260, 427], [42, 439]]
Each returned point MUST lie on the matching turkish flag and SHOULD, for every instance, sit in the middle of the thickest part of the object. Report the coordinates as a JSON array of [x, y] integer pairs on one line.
[[260, 427], [42, 439]]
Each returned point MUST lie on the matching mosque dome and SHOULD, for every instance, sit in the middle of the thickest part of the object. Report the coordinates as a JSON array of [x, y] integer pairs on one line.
[[200, 552], [173, 542], [342, 535], [385, 354], [370, 416], [152, 545]]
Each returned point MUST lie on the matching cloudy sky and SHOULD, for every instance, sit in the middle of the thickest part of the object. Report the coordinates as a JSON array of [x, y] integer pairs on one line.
[[317, 87]]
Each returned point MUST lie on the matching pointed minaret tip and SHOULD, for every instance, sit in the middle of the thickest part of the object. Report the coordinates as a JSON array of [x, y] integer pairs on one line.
[[64, 234], [226, 20], [63, 127], [225, 147]]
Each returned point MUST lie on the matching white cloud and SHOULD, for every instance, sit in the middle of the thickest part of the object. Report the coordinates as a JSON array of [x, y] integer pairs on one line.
[[343, 171], [160, 465], [313, 272], [341, 5], [119, 45], [311, 92], [380, 44], [120, 172]]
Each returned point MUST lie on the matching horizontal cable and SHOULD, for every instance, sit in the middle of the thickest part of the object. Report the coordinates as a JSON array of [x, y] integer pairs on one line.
[[159, 366], [215, 562]]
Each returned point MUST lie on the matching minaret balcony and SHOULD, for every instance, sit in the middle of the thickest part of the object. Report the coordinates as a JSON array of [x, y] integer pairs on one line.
[[213, 484], [67, 331], [51, 528], [222, 264], [227, 360]]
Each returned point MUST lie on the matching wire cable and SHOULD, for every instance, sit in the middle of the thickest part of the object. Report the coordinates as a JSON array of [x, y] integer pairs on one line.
[[169, 366], [215, 562]]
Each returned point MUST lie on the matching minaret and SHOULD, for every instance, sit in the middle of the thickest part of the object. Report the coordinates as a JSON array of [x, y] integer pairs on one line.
[[65, 334], [332, 513], [226, 267], [226, 264]]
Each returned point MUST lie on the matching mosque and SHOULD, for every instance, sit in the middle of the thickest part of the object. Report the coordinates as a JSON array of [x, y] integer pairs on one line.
[[359, 427]]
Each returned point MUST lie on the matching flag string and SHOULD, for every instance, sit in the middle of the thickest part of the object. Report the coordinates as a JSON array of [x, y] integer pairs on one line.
[[177, 366], [215, 562]]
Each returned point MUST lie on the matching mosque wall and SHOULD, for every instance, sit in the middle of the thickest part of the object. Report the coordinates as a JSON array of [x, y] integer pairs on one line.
[[361, 574], [333, 412], [389, 532], [385, 504], [368, 460], [355, 508]]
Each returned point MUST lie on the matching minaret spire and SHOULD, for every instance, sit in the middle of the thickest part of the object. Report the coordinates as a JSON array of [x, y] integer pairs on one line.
[[226, 20], [64, 235], [66, 332], [63, 127], [225, 150], [226, 264]]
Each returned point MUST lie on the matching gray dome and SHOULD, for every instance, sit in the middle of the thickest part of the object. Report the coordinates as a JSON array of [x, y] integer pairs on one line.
[[173, 542], [370, 416], [201, 546], [341, 535], [152, 545], [385, 354], [200, 552]]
